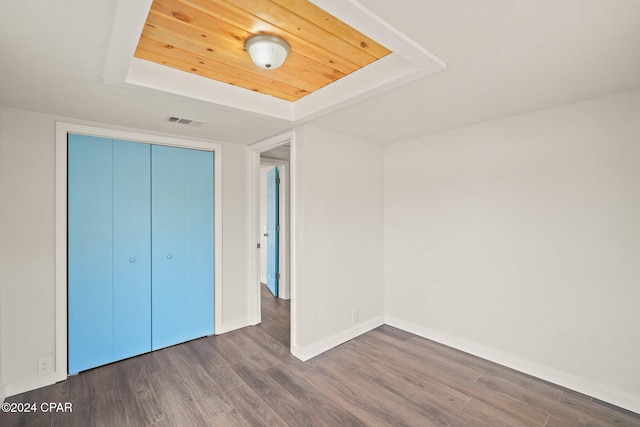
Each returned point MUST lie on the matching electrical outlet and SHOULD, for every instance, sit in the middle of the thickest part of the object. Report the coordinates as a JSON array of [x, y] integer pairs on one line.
[[45, 365], [355, 315]]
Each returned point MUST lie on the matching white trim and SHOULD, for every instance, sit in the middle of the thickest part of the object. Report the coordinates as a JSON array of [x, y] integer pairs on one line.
[[271, 142], [295, 233], [122, 45], [231, 325], [62, 129], [563, 379], [254, 305], [313, 350], [254, 236], [32, 383], [61, 251]]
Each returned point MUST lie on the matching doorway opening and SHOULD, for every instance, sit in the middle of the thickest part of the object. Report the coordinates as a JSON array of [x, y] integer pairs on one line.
[[270, 228], [274, 221], [271, 236]]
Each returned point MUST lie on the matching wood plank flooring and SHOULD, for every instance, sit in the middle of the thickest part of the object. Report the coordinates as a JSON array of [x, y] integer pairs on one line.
[[249, 378]]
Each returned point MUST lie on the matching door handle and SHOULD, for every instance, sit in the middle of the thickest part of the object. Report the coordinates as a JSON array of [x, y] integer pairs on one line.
[[266, 234]]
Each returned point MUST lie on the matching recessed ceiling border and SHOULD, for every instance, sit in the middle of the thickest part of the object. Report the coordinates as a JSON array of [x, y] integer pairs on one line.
[[408, 61]]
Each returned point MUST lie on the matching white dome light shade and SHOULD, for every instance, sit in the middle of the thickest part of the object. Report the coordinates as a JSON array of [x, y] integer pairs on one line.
[[267, 51]]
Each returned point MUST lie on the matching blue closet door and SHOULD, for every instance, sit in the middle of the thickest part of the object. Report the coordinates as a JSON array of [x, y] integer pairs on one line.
[[131, 249], [273, 231], [182, 245], [109, 286], [90, 246]]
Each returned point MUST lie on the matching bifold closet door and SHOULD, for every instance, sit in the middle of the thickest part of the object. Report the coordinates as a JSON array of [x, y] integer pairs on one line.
[[109, 271], [131, 249], [182, 244]]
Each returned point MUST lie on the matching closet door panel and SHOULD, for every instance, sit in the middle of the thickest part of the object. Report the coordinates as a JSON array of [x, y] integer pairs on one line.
[[131, 249], [168, 223], [182, 279], [90, 297], [199, 238]]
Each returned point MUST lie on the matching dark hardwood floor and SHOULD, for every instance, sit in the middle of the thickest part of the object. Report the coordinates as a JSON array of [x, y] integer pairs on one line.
[[248, 378]]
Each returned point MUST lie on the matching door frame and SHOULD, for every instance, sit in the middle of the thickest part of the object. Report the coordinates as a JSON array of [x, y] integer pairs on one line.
[[283, 214], [286, 249], [62, 129]]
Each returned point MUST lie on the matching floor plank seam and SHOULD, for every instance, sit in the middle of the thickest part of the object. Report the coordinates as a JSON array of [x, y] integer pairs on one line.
[[466, 403], [478, 377]]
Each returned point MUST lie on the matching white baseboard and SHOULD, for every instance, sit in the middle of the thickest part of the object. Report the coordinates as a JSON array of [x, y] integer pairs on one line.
[[564, 379], [308, 352], [30, 384], [230, 326]]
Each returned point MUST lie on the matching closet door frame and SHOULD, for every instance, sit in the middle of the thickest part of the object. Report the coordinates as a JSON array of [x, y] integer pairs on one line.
[[62, 130]]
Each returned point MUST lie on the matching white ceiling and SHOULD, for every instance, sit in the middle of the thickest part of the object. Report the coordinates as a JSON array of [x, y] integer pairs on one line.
[[503, 57]]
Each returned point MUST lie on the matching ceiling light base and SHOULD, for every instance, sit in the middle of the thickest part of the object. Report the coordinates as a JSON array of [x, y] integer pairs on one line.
[[267, 51]]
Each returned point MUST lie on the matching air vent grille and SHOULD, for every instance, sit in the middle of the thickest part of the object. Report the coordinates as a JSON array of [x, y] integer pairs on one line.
[[183, 121]]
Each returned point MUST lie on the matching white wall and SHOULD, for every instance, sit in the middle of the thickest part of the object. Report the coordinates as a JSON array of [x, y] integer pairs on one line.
[[27, 282], [519, 240], [338, 211], [236, 248], [27, 160]]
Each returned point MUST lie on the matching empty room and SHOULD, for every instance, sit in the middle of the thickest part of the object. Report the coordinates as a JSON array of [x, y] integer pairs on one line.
[[320, 212]]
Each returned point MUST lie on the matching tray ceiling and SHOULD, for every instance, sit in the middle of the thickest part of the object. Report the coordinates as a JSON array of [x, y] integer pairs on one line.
[[207, 37], [340, 53]]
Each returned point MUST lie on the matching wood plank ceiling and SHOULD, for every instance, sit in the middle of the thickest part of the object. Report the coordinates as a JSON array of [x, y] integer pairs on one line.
[[206, 37]]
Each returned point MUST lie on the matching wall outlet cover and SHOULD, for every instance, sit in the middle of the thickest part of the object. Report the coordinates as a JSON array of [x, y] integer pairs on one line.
[[45, 365]]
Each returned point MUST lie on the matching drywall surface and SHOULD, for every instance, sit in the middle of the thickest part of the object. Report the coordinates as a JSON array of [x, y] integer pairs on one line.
[[27, 194], [338, 210], [235, 236], [519, 240]]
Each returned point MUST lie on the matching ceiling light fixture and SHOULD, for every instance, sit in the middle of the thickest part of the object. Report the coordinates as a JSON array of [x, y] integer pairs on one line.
[[267, 51]]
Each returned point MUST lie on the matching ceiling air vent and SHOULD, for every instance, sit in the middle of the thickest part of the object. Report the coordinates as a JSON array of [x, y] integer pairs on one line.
[[183, 121]]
